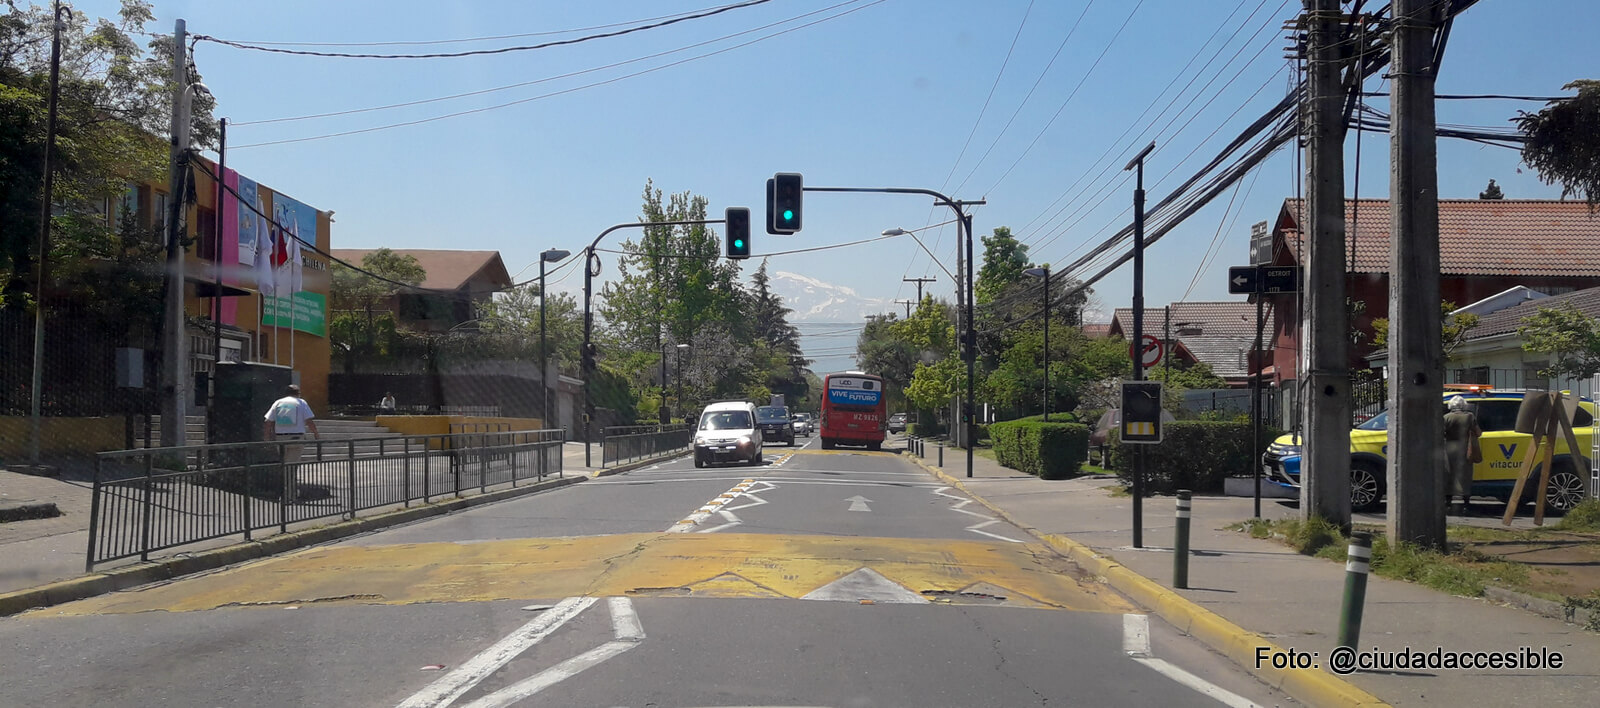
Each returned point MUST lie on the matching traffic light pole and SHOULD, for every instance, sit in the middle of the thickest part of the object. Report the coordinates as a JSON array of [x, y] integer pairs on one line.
[[591, 268], [1137, 163], [970, 336]]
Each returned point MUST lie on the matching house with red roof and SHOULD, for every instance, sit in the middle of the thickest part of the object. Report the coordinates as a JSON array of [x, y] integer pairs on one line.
[[1486, 247]]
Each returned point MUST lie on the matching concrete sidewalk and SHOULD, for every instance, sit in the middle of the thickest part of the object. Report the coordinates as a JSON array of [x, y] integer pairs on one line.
[[1293, 600]]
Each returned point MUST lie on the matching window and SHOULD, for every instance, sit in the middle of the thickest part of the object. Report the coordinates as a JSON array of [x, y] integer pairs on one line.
[[1498, 414], [726, 420]]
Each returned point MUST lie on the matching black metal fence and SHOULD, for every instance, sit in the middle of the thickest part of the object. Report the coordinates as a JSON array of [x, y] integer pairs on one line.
[[159, 498], [626, 443]]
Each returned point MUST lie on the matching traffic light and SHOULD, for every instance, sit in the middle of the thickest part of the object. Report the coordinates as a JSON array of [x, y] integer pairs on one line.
[[1141, 412], [784, 191], [738, 228], [588, 351]]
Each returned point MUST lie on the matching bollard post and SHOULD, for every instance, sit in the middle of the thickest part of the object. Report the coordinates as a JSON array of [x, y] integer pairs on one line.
[[1358, 560], [1180, 544], [941, 454]]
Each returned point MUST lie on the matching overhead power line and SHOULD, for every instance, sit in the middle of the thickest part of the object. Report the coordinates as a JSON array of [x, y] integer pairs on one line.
[[463, 40], [563, 91], [481, 52], [547, 79]]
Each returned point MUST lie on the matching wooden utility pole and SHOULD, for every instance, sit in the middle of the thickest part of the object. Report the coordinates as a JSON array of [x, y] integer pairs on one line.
[[919, 282], [1325, 480], [1416, 385], [907, 303]]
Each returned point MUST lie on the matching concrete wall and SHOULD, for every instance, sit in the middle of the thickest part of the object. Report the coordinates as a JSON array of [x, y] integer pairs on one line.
[[442, 424], [62, 437]]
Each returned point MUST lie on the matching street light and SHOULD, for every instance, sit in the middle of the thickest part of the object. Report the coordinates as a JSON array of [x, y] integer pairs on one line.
[[897, 231], [1044, 272], [1137, 165], [551, 256]]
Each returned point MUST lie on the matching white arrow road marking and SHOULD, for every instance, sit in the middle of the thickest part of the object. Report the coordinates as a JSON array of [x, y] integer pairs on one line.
[[978, 527], [859, 503], [751, 495], [1136, 643], [447, 688], [711, 507], [624, 626], [729, 517]]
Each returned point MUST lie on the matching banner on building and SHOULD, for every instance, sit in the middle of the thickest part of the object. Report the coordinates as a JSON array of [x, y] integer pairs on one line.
[[280, 265]]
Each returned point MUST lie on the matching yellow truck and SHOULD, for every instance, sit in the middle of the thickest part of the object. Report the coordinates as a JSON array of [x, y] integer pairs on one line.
[[1503, 451]]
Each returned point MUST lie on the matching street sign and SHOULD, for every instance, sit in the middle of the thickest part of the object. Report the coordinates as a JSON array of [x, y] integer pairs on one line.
[[1260, 244], [1150, 353], [1280, 279], [1270, 280], [1141, 412], [1243, 280]]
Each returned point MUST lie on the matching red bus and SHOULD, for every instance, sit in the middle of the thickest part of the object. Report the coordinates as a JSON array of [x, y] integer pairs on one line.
[[853, 410]]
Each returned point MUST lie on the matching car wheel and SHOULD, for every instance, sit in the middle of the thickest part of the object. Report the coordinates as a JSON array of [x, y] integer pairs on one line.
[[1567, 487], [1366, 487], [699, 461]]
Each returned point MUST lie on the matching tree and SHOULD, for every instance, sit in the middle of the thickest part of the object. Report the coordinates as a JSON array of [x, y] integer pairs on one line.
[[1195, 376], [1453, 329], [785, 366], [879, 351], [1004, 259], [515, 314], [114, 108], [1569, 337], [356, 297], [1563, 141], [1492, 192]]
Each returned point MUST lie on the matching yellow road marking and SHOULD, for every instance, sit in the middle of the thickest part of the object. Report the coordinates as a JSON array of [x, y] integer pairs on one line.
[[715, 565]]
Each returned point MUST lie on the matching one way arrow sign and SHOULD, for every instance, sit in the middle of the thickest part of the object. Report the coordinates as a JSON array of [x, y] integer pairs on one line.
[[1243, 280], [859, 503]]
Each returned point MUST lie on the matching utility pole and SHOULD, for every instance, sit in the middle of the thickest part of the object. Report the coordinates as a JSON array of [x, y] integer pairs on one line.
[[175, 349], [1325, 481], [36, 392], [1416, 435], [907, 303], [919, 282], [216, 283]]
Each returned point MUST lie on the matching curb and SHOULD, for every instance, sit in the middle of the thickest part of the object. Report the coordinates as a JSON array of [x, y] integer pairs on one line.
[[1315, 687], [631, 466], [85, 586], [1540, 606]]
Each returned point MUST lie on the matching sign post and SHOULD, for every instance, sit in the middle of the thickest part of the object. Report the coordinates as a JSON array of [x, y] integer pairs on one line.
[[1258, 281]]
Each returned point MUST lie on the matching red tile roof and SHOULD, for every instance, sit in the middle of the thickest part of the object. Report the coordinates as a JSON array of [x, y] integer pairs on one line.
[[1098, 329], [1518, 237]]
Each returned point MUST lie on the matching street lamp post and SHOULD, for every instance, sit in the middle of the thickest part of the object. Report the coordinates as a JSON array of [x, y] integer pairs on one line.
[[36, 392], [550, 256], [1044, 272]]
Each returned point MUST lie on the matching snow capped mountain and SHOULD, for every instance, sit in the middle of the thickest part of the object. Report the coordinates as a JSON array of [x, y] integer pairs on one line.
[[816, 301]]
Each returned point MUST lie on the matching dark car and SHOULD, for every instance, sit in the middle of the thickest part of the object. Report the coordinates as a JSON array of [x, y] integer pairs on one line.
[[897, 423], [775, 424]]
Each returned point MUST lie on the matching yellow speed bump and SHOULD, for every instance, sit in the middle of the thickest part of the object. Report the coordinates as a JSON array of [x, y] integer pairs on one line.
[[717, 565]]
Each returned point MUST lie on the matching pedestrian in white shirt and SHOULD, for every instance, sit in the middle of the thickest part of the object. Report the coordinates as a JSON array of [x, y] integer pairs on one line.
[[287, 421]]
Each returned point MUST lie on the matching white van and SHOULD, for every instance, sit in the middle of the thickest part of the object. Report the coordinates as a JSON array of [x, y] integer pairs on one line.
[[727, 432]]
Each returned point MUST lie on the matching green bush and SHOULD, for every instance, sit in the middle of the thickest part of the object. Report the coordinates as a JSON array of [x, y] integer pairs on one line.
[[1195, 455], [926, 430], [1046, 450]]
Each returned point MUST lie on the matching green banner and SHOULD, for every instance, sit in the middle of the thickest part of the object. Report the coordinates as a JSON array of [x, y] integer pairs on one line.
[[309, 313]]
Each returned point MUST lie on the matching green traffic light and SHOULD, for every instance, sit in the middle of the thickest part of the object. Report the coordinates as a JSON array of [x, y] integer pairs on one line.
[[738, 243], [788, 215]]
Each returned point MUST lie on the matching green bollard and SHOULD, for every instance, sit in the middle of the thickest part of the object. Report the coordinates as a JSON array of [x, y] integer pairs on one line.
[[1358, 560], [1180, 545]]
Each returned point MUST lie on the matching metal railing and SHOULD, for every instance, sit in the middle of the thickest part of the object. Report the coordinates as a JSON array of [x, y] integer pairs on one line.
[[626, 443], [463, 428], [158, 498]]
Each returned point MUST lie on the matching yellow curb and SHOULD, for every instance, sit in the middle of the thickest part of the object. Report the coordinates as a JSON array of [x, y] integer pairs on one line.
[[1315, 687]]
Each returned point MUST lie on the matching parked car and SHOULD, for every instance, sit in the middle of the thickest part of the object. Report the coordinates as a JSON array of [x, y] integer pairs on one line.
[[897, 423], [775, 424], [728, 432], [803, 424], [1495, 476]]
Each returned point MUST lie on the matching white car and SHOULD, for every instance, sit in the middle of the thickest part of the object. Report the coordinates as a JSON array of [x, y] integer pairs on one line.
[[727, 433], [803, 424]]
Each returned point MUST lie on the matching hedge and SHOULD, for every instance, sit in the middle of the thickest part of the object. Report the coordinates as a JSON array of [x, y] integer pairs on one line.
[[929, 429], [1194, 455], [1046, 450]]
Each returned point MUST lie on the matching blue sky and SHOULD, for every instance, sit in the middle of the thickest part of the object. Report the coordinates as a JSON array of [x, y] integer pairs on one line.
[[885, 96]]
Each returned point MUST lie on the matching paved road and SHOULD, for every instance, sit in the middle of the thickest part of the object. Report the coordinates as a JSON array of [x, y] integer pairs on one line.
[[821, 578]]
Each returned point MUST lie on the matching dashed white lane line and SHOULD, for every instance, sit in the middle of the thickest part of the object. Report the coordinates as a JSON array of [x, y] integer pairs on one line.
[[627, 633], [711, 507], [1136, 644], [978, 527], [447, 688]]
